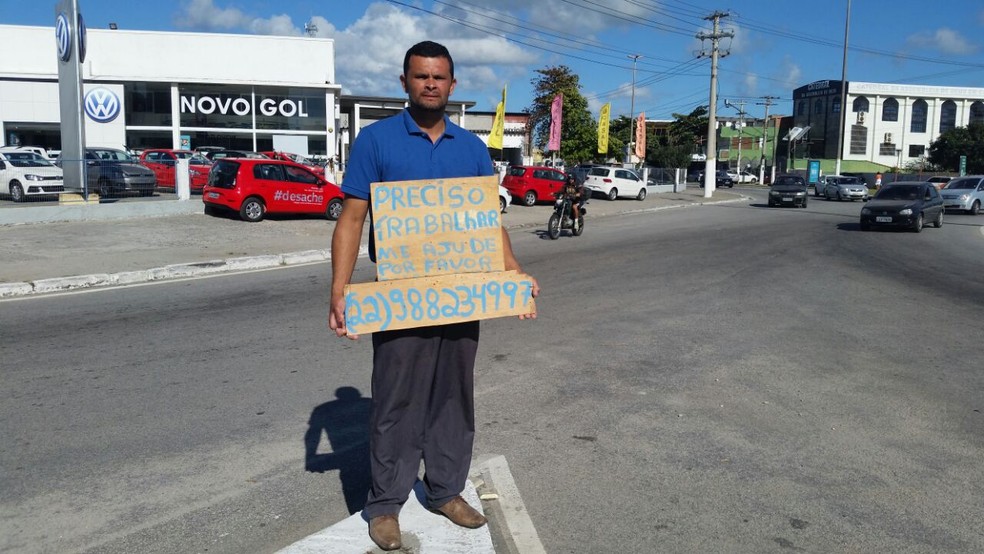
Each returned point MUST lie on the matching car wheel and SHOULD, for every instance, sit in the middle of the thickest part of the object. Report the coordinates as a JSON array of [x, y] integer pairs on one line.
[[918, 225], [613, 194], [938, 222], [104, 188], [553, 226], [771, 203], [146, 193], [642, 194], [578, 227], [803, 205], [865, 226], [17, 192], [975, 208], [816, 192], [502, 204], [252, 209], [334, 209], [529, 198], [839, 197]]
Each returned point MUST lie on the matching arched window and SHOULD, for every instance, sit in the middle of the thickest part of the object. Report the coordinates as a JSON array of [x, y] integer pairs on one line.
[[948, 116], [802, 108], [860, 104], [890, 110], [977, 112], [818, 107], [919, 111]]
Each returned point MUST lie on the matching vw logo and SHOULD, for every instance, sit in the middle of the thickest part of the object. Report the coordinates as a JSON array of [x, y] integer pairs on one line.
[[63, 36], [102, 105]]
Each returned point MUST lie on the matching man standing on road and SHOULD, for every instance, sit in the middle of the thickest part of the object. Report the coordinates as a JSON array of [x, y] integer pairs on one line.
[[423, 378]]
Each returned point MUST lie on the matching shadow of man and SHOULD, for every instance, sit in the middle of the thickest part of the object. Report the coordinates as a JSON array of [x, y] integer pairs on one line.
[[345, 421]]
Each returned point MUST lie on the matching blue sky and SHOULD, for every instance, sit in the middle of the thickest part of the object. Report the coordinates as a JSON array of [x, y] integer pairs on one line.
[[778, 45]]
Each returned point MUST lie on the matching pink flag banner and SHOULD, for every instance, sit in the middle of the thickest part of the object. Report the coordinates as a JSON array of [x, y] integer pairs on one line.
[[640, 138], [556, 117]]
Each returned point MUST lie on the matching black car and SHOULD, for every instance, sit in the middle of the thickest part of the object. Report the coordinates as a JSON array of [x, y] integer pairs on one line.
[[721, 179], [788, 190], [904, 204], [111, 172]]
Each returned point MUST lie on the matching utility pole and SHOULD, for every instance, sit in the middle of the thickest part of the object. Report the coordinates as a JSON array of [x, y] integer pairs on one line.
[[710, 165], [740, 106], [765, 141], [840, 122], [628, 158]]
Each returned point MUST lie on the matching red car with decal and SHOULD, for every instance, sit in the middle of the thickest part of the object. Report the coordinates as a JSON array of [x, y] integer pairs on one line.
[[162, 162], [313, 166], [255, 187], [532, 184]]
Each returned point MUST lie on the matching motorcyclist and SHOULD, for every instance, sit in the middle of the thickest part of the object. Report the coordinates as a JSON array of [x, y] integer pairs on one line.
[[573, 191]]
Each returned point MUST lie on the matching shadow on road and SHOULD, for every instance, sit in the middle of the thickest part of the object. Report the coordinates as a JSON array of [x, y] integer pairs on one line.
[[345, 421]]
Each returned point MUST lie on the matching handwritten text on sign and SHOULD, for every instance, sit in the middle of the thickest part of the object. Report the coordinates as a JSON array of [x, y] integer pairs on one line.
[[436, 227], [438, 300]]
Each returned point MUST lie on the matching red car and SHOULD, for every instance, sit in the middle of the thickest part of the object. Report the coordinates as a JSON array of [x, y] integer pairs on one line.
[[298, 159], [255, 187], [162, 162], [532, 184]]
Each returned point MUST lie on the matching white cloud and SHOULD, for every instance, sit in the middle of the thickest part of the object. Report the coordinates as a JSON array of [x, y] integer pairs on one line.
[[789, 74], [943, 40]]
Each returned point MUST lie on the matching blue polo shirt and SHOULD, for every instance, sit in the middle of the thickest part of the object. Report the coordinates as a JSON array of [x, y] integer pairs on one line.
[[395, 149]]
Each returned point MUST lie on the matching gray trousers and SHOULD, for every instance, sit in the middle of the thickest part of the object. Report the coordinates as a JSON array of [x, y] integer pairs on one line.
[[423, 408]]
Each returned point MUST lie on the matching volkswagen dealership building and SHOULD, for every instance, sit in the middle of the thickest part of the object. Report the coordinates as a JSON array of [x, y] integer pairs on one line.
[[147, 89]]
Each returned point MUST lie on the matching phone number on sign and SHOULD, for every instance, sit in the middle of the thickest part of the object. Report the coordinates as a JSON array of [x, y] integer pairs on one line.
[[432, 305]]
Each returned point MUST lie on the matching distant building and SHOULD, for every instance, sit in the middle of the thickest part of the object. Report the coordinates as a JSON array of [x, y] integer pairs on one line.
[[888, 124], [515, 137]]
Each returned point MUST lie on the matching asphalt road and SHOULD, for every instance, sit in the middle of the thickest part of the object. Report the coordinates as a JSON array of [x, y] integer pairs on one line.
[[717, 379]]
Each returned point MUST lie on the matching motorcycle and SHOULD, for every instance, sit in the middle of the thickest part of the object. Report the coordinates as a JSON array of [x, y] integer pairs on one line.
[[561, 218]]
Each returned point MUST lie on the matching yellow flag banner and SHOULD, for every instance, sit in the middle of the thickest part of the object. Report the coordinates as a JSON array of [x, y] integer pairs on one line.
[[640, 138], [603, 118], [499, 123]]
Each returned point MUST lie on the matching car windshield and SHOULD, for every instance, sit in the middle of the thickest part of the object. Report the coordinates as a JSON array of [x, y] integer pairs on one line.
[[26, 159], [847, 181], [110, 155], [899, 192], [789, 181], [962, 184]]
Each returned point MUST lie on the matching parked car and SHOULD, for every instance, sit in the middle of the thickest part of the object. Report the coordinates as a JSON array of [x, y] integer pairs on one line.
[[964, 193], [219, 154], [939, 181], [43, 152], [821, 184], [533, 183], [162, 162], [788, 190], [613, 182], [722, 179], [255, 187], [845, 188], [311, 165], [504, 198], [25, 174], [903, 204], [110, 171], [747, 177]]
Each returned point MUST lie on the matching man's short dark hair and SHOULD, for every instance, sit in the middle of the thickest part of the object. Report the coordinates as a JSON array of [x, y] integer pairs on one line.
[[427, 49]]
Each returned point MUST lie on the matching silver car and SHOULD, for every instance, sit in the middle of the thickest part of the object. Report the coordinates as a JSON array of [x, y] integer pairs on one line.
[[964, 193], [845, 188]]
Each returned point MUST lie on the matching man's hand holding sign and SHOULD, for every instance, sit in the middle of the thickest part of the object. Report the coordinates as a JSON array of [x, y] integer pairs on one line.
[[440, 258]]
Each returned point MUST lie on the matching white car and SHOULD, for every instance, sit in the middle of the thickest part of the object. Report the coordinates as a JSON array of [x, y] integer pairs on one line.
[[24, 174], [613, 182], [504, 198]]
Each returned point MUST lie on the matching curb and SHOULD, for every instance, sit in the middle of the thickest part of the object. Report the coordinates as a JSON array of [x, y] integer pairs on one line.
[[248, 263]]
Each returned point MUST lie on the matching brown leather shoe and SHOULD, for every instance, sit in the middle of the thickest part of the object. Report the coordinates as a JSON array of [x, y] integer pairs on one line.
[[460, 513], [385, 532]]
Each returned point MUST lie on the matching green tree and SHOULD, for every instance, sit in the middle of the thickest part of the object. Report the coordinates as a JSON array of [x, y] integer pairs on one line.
[[579, 130], [968, 141], [690, 130]]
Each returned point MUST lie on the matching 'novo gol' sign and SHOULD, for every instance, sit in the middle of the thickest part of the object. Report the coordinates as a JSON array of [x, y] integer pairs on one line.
[[240, 106]]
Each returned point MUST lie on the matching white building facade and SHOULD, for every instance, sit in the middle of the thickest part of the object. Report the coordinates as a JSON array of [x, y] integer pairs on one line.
[[889, 124], [146, 89]]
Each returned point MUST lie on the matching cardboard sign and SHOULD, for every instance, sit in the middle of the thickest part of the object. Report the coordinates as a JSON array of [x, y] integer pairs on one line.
[[439, 258], [436, 227]]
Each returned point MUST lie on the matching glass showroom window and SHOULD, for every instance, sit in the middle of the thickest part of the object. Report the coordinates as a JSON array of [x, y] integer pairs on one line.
[[890, 110], [148, 105]]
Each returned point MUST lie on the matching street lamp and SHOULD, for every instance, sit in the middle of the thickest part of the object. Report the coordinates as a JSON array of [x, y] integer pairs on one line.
[[634, 58], [898, 166]]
